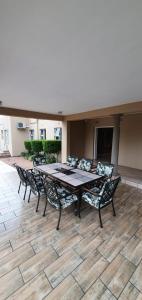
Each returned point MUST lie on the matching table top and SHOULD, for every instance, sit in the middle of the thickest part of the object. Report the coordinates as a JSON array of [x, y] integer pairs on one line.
[[75, 178]]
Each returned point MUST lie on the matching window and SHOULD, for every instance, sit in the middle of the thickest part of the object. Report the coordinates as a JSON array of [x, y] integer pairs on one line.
[[58, 133], [31, 134], [43, 134]]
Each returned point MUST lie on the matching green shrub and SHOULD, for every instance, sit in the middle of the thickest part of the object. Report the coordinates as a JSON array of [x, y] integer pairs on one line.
[[51, 159], [28, 146], [37, 146], [51, 147]]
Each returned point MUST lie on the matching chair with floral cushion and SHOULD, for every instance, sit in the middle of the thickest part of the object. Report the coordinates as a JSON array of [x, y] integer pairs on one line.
[[85, 164], [23, 179], [103, 198], [36, 183], [72, 161], [39, 160], [59, 197], [104, 170]]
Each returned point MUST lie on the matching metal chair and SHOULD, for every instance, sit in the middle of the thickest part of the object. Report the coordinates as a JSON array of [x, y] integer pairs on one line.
[[36, 183], [59, 197], [105, 170], [85, 164], [103, 198], [23, 179], [72, 161], [39, 160]]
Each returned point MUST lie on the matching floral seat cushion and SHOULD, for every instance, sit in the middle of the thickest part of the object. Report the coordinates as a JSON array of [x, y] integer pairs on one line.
[[104, 196], [85, 164], [72, 161], [93, 200], [104, 169], [66, 198]]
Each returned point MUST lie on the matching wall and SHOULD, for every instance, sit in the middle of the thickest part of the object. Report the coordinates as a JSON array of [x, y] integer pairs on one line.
[[44, 124], [77, 138], [17, 136], [130, 147], [4, 126], [90, 132]]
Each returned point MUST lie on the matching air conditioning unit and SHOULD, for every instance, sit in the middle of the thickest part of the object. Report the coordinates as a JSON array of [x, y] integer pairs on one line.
[[21, 125]]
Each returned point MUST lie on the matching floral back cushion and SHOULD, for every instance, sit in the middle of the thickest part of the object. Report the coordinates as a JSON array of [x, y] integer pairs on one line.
[[104, 169], [85, 164], [72, 161]]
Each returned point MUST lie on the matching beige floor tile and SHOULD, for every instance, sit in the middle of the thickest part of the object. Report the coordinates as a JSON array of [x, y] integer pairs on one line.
[[5, 249], [117, 274], [139, 233], [111, 247], [62, 267], [66, 290], [88, 245], [98, 291], [133, 250], [130, 293], [14, 259], [36, 289], [89, 271], [10, 283], [136, 279], [37, 263]]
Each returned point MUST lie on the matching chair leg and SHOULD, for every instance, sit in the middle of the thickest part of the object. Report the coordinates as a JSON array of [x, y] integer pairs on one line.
[[29, 196], [25, 192], [37, 202], [101, 224], [79, 206], [45, 207], [19, 187], [114, 213], [60, 212]]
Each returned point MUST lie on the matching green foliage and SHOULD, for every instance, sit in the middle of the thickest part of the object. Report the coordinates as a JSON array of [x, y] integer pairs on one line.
[[37, 146], [28, 146], [51, 159], [51, 146]]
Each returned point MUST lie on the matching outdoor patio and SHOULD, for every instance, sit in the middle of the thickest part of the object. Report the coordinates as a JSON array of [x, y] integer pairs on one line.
[[81, 260]]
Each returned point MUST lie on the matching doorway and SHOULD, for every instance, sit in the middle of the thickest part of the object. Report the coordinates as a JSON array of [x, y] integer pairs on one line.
[[104, 143]]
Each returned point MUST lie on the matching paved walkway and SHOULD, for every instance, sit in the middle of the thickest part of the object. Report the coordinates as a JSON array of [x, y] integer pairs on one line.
[[81, 260]]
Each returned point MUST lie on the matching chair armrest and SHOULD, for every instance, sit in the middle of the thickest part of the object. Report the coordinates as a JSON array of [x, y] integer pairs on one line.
[[89, 191]]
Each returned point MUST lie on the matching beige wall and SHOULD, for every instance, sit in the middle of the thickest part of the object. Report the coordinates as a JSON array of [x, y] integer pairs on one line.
[[130, 147], [44, 124], [17, 136], [77, 138]]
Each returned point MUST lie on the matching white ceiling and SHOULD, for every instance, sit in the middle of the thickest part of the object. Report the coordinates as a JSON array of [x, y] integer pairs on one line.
[[70, 55]]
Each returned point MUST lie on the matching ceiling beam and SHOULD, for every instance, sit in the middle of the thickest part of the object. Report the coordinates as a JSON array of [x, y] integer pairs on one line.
[[14, 112], [129, 108]]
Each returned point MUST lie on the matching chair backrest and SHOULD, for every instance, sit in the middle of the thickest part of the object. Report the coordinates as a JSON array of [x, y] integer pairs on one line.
[[104, 169], [72, 161], [36, 182], [108, 189], [51, 192], [39, 160], [22, 174], [85, 164]]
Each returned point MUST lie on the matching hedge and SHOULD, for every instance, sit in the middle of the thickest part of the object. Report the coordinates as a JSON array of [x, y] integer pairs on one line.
[[37, 146], [28, 146], [51, 146]]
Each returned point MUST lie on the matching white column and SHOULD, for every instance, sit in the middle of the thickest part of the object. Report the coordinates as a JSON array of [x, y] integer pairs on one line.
[[65, 141], [115, 144]]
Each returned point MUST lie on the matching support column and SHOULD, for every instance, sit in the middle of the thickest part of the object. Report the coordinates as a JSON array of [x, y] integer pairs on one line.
[[65, 141], [115, 144]]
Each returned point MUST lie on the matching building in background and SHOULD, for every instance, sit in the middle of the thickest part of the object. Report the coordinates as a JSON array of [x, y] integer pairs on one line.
[[14, 131]]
